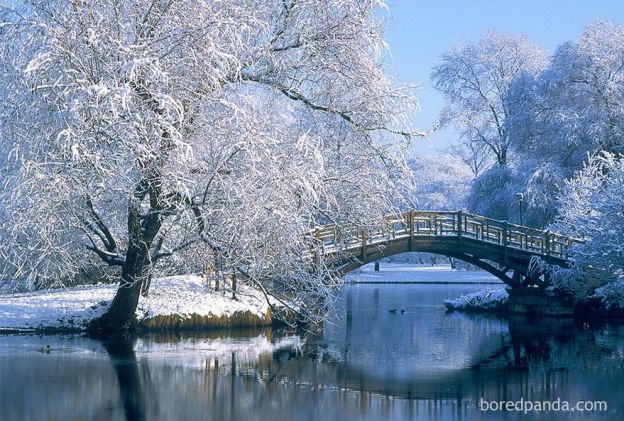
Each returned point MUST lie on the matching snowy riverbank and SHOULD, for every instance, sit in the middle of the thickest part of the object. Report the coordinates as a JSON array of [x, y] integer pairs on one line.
[[493, 299], [486, 301], [606, 302], [173, 302]]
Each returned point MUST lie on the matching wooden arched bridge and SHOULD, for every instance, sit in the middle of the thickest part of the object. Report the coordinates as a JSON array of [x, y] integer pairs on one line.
[[506, 250]]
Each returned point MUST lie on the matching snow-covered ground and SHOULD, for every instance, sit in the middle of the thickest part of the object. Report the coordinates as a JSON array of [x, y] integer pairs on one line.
[[54, 309], [418, 273], [488, 300], [72, 308], [187, 295]]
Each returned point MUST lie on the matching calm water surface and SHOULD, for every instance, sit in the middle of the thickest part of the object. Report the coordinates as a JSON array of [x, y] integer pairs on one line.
[[368, 364]]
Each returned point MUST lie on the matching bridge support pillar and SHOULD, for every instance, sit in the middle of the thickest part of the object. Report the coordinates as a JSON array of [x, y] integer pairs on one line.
[[531, 301]]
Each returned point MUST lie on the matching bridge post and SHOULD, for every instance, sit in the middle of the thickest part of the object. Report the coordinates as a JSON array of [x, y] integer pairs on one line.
[[547, 241], [459, 227], [411, 230], [363, 252], [537, 302], [505, 238]]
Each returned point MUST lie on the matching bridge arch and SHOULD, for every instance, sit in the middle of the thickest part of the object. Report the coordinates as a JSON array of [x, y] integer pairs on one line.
[[355, 263], [495, 246]]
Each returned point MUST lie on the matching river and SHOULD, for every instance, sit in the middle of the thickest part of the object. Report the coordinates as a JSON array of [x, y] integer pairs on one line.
[[388, 352]]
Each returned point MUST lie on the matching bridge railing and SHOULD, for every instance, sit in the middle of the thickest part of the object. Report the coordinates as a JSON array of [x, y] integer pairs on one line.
[[349, 237]]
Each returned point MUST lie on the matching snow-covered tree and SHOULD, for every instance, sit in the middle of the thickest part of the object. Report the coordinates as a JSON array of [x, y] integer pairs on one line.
[[475, 78], [494, 193], [576, 105], [473, 154], [443, 182], [572, 109], [490, 193], [141, 134], [592, 208], [553, 115]]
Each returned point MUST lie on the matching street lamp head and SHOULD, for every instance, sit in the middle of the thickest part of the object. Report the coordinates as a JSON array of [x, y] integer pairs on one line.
[[519, 197]]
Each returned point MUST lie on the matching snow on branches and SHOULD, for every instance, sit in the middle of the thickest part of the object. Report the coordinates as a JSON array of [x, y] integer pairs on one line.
[[536, 117], [147, 135], [474, 79], [592, 209]]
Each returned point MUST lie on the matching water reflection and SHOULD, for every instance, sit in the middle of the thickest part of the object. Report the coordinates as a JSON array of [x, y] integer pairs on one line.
[[121, 352], [367, 364]]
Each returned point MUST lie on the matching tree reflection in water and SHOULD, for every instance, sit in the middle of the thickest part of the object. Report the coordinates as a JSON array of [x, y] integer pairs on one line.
[[120, 349]]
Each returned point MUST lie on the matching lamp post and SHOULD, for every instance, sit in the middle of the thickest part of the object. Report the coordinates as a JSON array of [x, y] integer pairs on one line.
[[520, 200]]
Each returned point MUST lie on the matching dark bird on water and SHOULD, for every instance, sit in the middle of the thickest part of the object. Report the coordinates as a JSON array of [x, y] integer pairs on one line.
[[394, 310]]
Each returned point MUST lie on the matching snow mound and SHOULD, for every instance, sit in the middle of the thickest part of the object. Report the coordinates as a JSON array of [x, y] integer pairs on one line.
[[487, 300]]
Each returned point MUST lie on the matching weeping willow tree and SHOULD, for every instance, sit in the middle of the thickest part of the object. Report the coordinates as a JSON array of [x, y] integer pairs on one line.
[[143, 135]]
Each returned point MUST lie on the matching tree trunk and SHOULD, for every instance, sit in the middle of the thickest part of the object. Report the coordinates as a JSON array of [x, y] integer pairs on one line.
[[121, 313], [134, 273]]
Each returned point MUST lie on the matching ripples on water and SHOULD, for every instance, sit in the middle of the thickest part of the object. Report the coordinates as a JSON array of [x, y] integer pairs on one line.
[[367, 364]]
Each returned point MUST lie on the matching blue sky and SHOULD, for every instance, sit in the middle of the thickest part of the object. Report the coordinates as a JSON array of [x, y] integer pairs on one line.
[[420, 31]]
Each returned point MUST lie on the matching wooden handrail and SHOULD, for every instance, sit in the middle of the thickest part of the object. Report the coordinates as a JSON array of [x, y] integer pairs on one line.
[[415, 223]]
